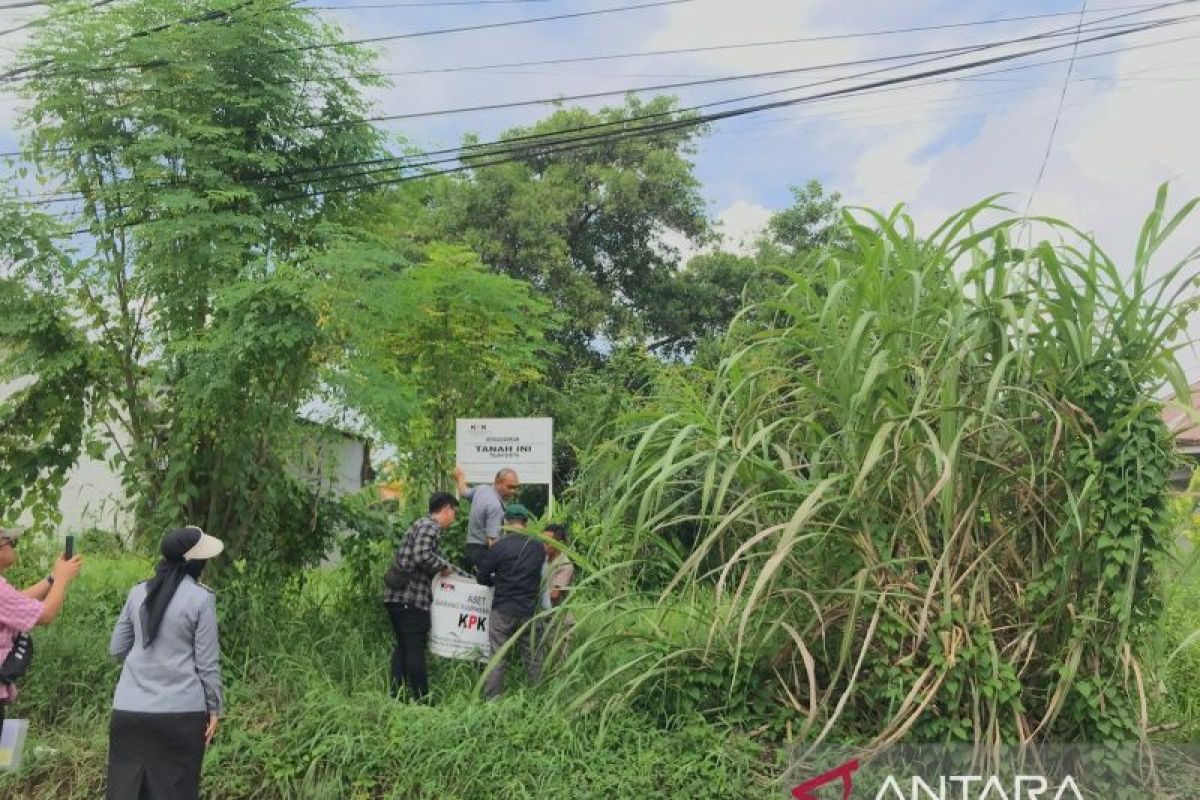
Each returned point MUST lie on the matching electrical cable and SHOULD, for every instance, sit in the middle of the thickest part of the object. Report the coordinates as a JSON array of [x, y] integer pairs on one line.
[[510, 155]]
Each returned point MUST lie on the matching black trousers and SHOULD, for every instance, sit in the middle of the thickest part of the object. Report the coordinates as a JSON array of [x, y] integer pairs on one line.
[[411, 626], [474, 554]]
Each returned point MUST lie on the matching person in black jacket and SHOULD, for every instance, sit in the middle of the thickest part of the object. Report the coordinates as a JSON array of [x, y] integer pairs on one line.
[[514, 567]]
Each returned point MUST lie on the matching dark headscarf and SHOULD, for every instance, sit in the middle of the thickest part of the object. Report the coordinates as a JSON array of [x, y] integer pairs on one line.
[[169, 573]]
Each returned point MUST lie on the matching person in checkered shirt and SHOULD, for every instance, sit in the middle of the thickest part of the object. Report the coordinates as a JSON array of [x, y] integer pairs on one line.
[[420, 556]]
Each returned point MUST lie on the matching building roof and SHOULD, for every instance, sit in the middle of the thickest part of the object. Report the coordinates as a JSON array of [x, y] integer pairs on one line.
[[1184, 426]]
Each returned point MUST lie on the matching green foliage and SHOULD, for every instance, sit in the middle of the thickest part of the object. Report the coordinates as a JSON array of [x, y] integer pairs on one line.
[[432, 341], [49, 365], [695, 306], [309, 717], [924, 488], [812, 222], [584, 226], [185, 325]]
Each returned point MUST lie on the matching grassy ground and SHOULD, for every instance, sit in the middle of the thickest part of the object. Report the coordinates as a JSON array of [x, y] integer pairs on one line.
[[1177, 712], [309, 717]]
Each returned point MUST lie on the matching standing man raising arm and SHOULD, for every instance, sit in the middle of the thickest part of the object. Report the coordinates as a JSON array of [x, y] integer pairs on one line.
[[487, 511]]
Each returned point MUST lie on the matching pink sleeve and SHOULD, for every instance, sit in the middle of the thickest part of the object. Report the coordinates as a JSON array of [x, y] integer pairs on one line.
[[16, 610]]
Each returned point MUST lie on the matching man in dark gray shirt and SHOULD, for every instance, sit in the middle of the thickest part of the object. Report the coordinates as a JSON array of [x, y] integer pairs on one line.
[[487, 511], [514, 567]]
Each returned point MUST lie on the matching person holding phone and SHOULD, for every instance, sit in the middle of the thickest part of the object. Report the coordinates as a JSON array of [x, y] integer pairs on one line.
[[169, 696], [21, 611]]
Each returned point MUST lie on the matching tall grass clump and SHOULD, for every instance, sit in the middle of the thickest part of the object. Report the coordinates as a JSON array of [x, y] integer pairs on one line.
[[922, 496]]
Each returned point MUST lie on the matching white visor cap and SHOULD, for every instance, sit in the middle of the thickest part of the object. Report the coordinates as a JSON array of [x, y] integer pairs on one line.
[[208, 547]]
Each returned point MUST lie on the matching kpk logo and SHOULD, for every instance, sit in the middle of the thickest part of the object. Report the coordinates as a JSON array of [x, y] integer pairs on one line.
[[944, 787]]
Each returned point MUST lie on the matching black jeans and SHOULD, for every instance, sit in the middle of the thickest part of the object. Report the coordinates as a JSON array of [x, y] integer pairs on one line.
[[411, 626], [474, 554]]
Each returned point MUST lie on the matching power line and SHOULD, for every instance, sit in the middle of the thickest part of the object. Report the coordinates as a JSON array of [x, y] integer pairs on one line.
[[484, 26], [743, 98], [160, 63], [663, 86], [40, 20], [798, 40], [522, 146], [605, 125], [936, 56], [506, 153], [635, 89], [554, 141], [1057, 116], [742, 45], [717, 116], [603, 137]]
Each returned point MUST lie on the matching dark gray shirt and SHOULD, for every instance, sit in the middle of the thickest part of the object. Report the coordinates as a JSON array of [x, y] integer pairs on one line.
[[514, 566], [181, 670], [487, 514]]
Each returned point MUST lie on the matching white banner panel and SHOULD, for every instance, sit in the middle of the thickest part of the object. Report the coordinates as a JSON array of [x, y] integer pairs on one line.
[[483, 447], [459, 618]]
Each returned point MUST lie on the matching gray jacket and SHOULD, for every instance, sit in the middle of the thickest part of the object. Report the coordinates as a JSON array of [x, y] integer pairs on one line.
[[181, 671]]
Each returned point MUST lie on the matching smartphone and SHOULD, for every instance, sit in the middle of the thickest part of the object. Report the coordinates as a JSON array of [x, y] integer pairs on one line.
[[69, 550]]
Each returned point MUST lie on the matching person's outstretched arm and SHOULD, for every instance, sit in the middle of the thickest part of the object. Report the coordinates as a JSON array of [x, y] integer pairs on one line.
[[38, 591], [64, 572], [427, 551], [464, 489]]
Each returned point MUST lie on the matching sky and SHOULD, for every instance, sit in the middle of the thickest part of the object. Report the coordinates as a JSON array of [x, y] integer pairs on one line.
[[1092, 150]]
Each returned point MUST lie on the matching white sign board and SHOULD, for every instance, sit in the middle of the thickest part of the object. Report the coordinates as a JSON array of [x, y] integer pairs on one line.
[[486, 446], [459, 617]]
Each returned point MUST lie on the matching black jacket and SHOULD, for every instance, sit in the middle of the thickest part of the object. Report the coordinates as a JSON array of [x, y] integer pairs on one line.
[[514, 566]]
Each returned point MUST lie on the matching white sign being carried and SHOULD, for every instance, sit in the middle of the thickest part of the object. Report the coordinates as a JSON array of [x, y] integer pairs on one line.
[[459, 617], [486, 446]]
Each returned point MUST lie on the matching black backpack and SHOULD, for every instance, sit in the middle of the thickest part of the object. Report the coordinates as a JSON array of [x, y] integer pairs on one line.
[[16, 664], [399, 574]]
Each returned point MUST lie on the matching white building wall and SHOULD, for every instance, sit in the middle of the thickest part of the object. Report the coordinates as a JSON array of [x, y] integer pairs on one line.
[[93, 497]]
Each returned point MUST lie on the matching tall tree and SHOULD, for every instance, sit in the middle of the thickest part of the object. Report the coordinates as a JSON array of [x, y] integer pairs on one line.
[[697, 303], [430, 340], [190, 132], [585, 226]]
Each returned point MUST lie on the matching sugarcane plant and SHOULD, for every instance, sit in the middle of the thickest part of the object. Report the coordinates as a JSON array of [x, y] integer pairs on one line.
[[922, 496]]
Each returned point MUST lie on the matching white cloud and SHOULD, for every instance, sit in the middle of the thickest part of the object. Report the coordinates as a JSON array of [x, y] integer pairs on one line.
[[740, 225]]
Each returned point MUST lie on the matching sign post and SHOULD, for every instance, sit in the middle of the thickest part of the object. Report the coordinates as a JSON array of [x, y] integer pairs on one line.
[[483, 447]]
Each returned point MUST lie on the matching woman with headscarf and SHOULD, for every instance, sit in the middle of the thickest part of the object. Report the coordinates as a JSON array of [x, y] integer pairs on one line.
[[168, 699]]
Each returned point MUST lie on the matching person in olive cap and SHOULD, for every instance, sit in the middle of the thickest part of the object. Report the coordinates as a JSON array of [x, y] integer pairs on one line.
[[22, 610], [513, 566]]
